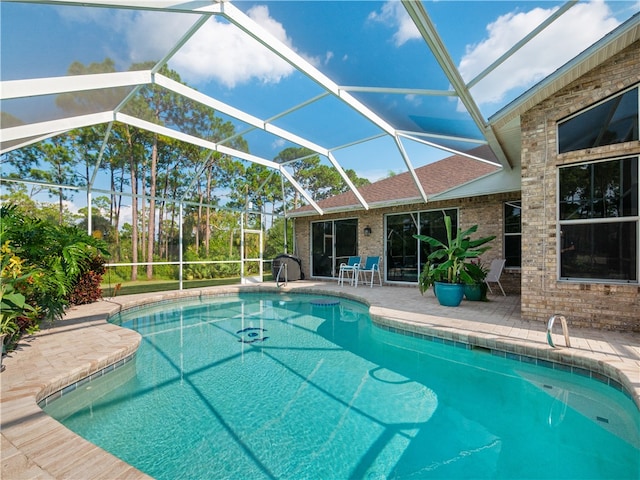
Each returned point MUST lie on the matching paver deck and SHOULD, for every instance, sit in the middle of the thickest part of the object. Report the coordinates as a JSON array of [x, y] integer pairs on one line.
[[33, 445]]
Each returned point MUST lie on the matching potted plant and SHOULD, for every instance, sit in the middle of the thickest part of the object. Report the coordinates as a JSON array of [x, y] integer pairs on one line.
[[429, 275], [476, 291], [447, 266]]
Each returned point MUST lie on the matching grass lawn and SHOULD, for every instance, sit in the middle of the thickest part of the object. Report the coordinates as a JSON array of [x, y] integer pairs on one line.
[[148, 286]]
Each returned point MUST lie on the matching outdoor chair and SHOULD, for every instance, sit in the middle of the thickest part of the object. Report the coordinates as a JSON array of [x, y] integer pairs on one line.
[[350, 269], [371, 266], [495, 271]]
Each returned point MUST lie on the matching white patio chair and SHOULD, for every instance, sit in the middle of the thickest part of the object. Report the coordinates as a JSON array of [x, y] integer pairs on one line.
[[495, 271], [350, 269], [371, 266]]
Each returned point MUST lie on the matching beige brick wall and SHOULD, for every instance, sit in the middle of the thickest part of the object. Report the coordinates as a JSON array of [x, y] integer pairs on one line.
[[486, 211], [599, 305]]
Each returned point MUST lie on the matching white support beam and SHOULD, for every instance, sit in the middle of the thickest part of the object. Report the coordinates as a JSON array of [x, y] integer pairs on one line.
[[518, 45], [27, 142], [451, 150], [103, 147], [45, 128], [194, 6], [251, 28], [219, 106], [437, 136], [200, 142], [399, 91], [193, 140], [206, 100], [180, 43], [412, 171], [72, 83], [430, 35], [347, 180], [302, 191]]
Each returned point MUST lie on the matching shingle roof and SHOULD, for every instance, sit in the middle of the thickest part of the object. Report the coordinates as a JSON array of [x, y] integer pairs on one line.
[[436, 177]]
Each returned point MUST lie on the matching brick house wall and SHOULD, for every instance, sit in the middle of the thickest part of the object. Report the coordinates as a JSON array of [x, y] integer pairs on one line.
[[485, 211], [598, 305]]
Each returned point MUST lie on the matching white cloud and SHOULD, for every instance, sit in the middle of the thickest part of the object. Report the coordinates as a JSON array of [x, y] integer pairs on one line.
[[393, 14], [413, 99], [328, 57], [278, 143], [565, 38], [217, 51]]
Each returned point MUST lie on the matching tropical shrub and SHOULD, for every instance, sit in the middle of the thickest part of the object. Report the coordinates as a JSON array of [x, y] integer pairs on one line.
[[87, 287], [56, 257], [14, 309]]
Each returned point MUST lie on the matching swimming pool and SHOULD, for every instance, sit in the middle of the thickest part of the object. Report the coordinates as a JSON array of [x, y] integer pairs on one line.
[[297, 386]]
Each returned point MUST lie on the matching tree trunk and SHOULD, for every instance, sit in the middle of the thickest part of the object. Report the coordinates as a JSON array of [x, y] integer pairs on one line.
[[198, 219], [60, 206], [61, 196], [134, 207], [116, 219], [151, 229], [207, 232]]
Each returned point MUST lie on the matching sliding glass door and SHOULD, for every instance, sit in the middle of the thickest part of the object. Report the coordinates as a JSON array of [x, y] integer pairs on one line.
[[405, 254], [332, 242]]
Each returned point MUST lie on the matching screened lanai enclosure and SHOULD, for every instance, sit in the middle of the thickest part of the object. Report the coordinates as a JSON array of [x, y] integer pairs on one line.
[[183, 132]]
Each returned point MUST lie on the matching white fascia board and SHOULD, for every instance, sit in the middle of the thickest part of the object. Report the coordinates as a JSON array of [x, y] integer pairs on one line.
[[242, 21], [76, 83], [46, 128]]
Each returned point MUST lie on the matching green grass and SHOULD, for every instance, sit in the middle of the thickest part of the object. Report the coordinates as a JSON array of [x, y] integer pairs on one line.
[[149, 286]]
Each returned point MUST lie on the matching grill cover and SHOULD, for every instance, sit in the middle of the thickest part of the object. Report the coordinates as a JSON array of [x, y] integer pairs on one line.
[[294, 267]]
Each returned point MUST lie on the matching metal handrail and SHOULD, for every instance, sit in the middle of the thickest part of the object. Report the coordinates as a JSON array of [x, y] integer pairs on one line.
[[565, 330], [283, 265]]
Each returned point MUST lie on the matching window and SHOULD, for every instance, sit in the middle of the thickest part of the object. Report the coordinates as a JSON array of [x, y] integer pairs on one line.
[[513, 234], [612, 121], [405, 254], [598, 211]]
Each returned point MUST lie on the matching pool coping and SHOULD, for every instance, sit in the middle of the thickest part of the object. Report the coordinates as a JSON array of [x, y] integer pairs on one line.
[[35, 445]]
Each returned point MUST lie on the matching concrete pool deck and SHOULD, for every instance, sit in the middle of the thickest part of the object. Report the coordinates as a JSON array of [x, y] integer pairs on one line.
[[33, 445]]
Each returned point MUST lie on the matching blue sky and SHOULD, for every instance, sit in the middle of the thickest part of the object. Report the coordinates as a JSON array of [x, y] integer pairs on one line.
[[357, 43]]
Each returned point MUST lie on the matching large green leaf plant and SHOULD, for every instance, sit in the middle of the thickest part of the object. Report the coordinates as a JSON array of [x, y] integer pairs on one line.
[[450, 262], [55, 258]]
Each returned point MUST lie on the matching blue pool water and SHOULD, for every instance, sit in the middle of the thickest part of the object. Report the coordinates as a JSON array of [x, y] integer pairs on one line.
[[299, 387]]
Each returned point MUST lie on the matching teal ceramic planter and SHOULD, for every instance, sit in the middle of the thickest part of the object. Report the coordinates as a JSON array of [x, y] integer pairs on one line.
[[473, 292], [449, 294]]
